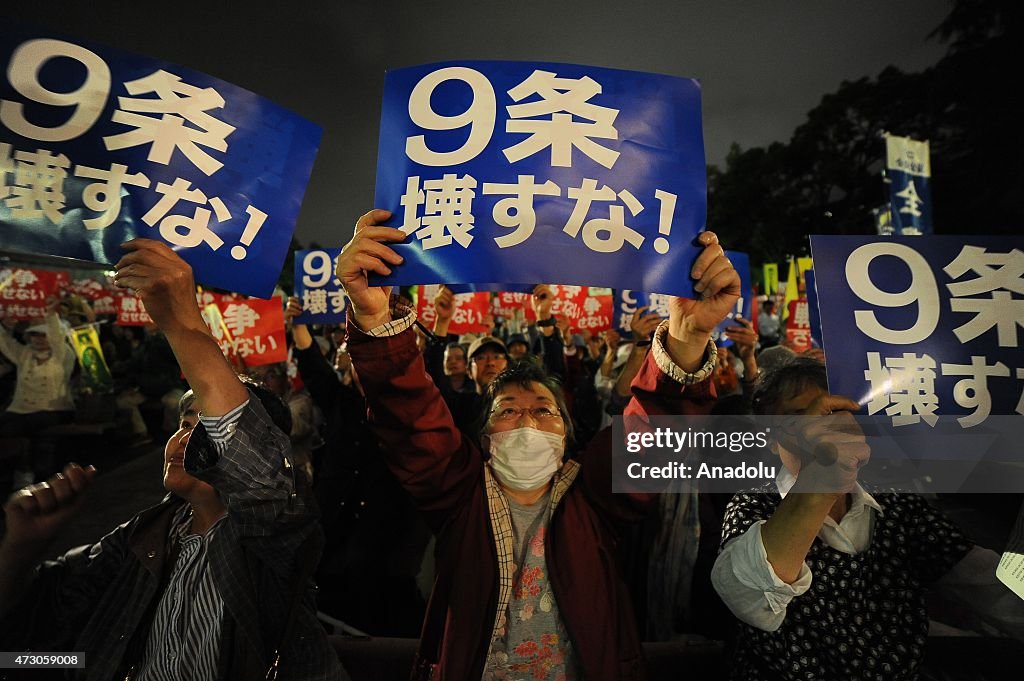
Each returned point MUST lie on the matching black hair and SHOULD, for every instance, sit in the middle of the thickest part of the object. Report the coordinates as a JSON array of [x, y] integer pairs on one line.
[[524, 374], [786, 382], [277, 410]]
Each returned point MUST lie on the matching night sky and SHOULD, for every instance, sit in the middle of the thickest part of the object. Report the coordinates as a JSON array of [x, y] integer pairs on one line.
[[762, 65]]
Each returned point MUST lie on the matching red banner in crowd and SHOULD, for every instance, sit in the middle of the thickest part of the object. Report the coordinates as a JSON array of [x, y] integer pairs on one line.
[[470, 314], [23, 292], [130, 310], [105, 305], [596, 314], [88, 288], [506, 303], [249, 327], [798, 326]]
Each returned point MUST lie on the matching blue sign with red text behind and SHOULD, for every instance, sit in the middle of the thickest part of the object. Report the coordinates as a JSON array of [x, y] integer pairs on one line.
[[100, 146], [525, 171]]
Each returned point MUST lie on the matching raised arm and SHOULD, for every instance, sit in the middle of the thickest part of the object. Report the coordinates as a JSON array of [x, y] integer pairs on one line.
[[425, 450], [164, 282]]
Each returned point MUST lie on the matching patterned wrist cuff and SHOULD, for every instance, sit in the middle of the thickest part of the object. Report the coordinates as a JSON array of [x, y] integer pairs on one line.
[[674, 371], [404, 317]]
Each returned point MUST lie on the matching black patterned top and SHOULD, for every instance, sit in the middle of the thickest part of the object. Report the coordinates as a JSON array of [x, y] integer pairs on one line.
[[864, 615]]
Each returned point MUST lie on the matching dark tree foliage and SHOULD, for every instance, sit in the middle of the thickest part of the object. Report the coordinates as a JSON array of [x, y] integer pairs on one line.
[[828, 177]]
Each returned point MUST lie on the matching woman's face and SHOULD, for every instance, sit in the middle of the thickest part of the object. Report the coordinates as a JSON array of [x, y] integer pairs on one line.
[[517, 407]]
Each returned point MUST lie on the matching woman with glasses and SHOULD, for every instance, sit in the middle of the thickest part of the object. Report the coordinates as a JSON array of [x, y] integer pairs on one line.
[[527, 584]]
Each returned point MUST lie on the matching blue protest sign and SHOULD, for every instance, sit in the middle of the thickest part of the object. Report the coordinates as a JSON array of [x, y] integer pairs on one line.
[[908, 169], [492, 288], [626, 302], [99, 146], [920, 327], [524, 171], [813, 315], [323, 298]]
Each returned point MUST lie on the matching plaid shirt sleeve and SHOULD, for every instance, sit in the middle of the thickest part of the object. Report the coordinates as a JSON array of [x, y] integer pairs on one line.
[[247, 459], [404, 317], [221, 428]]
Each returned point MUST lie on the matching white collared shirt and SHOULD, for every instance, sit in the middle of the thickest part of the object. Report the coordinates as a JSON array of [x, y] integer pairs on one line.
[[746, 581], [748, 585]]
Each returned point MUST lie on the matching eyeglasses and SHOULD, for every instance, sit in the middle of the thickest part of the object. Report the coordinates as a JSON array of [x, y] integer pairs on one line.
[[539, 414], [485, 357]]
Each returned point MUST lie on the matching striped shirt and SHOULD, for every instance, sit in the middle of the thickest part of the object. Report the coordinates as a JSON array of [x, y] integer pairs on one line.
[[184, 641]]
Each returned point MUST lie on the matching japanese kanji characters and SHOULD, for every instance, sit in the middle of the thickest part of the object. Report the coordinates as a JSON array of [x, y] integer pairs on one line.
[[561, 99], [176, 104], [314, 301], [6, 168], [1001, 275], [38, 187], [239, 317], [447, 215], [911, 201], [904, 386]]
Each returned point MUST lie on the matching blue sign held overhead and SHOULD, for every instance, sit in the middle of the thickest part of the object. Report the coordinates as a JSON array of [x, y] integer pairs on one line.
[[100, 146], [323, 299], [524, 171], [918, 328], [493, 288]]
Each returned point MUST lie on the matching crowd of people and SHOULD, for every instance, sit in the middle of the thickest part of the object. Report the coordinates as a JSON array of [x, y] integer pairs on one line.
[[413, 483]]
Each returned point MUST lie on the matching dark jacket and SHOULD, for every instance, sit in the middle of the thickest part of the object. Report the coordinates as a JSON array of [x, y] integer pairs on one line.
[[101, 598], [445, 473], [375, 537]]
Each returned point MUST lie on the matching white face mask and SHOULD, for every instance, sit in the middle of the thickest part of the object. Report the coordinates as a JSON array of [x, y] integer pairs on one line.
[[525, 458]]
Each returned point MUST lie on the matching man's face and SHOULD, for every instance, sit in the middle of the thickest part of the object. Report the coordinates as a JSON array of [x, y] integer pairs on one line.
[[517, 350], [455, 361], [518, 407], [488, 362], [725, 376], [176, 480]]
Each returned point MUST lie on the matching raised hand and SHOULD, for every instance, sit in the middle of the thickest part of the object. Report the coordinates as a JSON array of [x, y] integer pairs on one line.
[[293, 310], [35, 513], [831, 446], [444, 303], [366, 253], [164, 282], [691, 321], [641, 325]]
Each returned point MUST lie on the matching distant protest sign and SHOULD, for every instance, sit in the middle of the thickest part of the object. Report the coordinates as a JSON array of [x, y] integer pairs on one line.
[[320, 293], [469, 315], [918, 328], [249, 328], [526, 171], [99, 146], [24, 292]]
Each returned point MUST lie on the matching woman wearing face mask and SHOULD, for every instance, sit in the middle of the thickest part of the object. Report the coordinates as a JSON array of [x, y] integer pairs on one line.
[[527, 584]]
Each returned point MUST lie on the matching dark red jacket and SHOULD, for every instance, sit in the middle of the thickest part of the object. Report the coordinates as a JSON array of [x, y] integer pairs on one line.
[[446, 475]]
